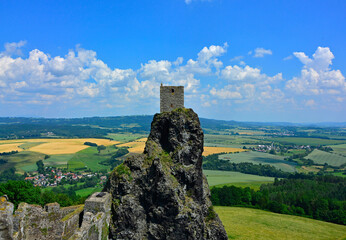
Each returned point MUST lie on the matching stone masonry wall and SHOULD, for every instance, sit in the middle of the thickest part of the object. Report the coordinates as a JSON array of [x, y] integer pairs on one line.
[[31, 222], [171, 97]]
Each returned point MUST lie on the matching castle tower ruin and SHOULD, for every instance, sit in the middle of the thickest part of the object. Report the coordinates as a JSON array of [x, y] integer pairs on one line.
[[171, 97]]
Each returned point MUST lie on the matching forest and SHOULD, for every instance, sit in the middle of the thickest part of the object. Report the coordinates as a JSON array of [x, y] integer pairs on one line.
[[318, 197], [24, 191]]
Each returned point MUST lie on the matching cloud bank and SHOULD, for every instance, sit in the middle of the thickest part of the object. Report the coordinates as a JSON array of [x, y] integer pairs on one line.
[[81, 78]]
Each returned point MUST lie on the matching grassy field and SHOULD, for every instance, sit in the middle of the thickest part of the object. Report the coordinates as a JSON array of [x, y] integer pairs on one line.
[[246, 223], [61, 152], [88, 191], [305, 141], [339, 149], [125, 137], [259, 157], [59, 160], [216, 177], [253, 185], [22, 161], [90, 158], [321, 157], [28, 145], [339, 174], [231, 140], [294, 151]]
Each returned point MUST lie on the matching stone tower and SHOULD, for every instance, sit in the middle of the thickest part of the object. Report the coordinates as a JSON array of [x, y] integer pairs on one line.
[[171, 97]]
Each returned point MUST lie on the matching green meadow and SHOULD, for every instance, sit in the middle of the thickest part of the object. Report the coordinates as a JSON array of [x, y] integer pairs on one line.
[[59, 160], [260, 157], [23, 161], [29, 145], [212, 140], [90, 158], [125, 137], [247, 223], [322, 157], [88, 191], [339, 149], [216, 177]]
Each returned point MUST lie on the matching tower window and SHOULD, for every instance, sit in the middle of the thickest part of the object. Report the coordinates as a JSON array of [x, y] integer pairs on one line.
[[171, 105], [172, 90]]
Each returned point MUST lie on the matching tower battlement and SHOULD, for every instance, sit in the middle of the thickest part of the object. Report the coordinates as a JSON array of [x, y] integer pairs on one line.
[[171, 97]]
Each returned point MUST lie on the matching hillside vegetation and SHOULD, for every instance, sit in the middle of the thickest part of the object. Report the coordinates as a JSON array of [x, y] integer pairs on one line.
[[216, 177], [247, 223], [321, 157]]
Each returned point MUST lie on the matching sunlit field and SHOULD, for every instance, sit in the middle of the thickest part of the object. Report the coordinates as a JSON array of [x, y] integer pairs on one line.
[[135, 146], [247, 223], [216, 177], [52, 146]]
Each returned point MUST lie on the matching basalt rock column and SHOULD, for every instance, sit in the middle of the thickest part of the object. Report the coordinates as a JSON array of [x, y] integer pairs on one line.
[[162, 193]]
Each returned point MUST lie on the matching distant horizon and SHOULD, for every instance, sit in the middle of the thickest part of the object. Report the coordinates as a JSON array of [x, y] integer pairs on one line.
[[145, 115], [261, 61]]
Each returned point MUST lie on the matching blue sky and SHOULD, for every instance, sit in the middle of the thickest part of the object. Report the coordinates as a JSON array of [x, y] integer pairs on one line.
[[238, 59]]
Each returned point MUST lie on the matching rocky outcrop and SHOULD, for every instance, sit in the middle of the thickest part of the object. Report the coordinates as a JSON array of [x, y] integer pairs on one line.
[[163, 194], [31, 222], [6, 218]]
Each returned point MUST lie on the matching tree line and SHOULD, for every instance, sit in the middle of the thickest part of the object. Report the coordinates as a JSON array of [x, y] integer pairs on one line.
[[23, 191], [318, 197]]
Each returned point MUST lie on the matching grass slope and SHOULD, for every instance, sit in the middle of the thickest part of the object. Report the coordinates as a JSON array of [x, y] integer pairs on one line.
[[321, 157], [230, 140], [22, 161], [339, 149], [90, 158], [28, 145], [88, 191], [59, 160], [216, 177], [259, 157], [255, 185], [246, 223], [125, 137]]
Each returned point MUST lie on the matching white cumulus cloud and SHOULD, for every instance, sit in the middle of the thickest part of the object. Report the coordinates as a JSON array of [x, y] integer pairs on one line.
[[316, 76], [13, 48], [261, 52]]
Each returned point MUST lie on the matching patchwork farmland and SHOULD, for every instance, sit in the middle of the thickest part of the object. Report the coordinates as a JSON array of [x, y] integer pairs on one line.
[[263, 158], [321, 157]]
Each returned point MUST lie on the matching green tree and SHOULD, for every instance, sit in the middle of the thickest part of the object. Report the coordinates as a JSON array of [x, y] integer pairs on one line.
[[100, 148], [21, 191], [40, 166]]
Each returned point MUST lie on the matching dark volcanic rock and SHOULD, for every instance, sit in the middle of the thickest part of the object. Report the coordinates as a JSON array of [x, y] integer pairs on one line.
[[163, 194]]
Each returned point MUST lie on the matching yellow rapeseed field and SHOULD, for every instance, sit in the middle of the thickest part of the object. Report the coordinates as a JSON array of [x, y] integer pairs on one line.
[[10, 147], [54, 146], [212, 150], [135, 146]]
